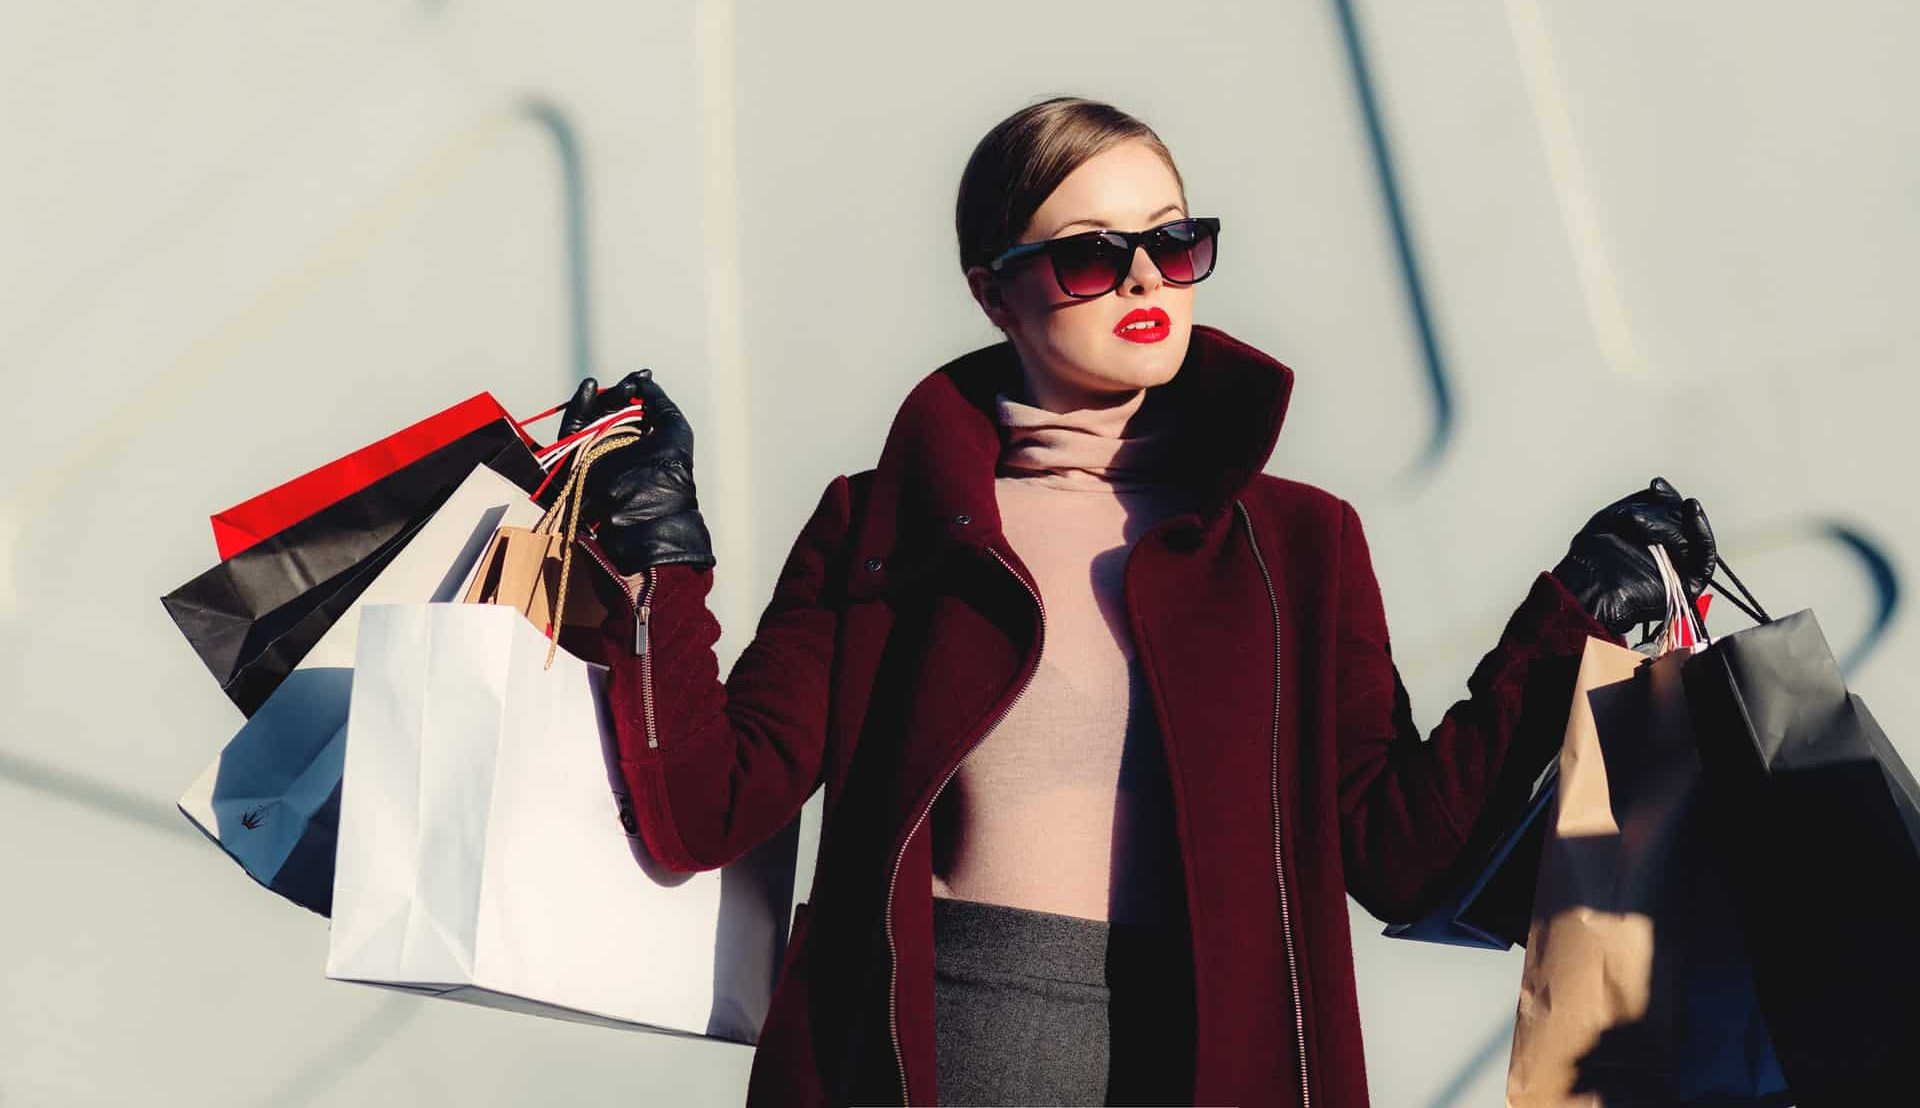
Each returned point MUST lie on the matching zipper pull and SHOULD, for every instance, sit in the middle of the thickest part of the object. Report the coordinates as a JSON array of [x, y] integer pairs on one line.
[[640, 617]]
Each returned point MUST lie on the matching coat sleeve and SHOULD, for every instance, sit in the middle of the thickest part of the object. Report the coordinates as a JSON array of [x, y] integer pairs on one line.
[[1409, 807], [714, 769]]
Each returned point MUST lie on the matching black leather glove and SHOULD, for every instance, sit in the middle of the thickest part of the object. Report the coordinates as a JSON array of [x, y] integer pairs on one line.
[[639, 497], [1608, 568]]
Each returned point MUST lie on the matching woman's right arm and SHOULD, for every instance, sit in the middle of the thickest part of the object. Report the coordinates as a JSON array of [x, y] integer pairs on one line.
[[714, 769], [711, 769]]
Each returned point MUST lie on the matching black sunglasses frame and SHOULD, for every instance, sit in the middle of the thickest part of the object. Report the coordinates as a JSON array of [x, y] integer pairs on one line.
[[1134, 240]]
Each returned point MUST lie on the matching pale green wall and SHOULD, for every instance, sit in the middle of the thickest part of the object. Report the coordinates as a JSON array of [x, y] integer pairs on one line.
[[238, 239]]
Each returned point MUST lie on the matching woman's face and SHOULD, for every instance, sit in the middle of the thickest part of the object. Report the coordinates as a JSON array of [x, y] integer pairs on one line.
[[1073, 351]]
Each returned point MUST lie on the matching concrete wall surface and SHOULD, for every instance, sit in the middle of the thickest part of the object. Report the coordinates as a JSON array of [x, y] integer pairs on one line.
[[1521, 256]]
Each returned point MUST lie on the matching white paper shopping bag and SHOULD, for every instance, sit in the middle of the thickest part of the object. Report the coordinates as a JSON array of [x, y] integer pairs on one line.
[[270, 799], [481, 856]]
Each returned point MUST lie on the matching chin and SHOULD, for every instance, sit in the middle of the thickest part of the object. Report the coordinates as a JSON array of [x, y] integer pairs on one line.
[[1145, 366], [1119, 379], [1105, 366]]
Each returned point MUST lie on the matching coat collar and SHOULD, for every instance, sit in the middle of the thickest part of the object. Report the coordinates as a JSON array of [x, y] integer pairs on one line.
[[933, 485]]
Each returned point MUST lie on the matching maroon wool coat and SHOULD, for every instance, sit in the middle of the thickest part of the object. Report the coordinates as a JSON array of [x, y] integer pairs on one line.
[[901, 629]]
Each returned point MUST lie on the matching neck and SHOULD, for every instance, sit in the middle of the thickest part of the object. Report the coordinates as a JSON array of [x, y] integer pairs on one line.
[[1091, 448], [1108, 412]]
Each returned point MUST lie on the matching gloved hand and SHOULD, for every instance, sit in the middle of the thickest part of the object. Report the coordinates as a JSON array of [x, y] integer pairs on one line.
[[1609, 570], [640, 497]]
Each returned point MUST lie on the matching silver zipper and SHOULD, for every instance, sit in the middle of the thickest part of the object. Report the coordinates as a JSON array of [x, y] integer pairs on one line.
[[893, 954], [642, 615], [1279, 867]]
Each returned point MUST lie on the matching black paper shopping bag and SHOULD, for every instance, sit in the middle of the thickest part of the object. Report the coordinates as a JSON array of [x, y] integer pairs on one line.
[[1818, 825], [254, 616], [1490, 904]]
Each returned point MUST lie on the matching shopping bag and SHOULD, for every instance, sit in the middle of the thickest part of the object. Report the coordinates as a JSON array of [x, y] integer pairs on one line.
[[1819, 833], [1635, 989], [271, 798], [481, 856], [252, 521], [1491, 907], [254, 616], [533, 569]]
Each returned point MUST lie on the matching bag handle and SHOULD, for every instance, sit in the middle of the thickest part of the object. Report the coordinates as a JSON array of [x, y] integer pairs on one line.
[[550, 456], [523, 424], [567, 506], [1755, 613], [554, 459], [1750, 606], [1683, 627]]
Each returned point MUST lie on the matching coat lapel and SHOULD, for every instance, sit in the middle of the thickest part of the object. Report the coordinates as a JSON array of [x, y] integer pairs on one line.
[[927, 544], [934, 482]]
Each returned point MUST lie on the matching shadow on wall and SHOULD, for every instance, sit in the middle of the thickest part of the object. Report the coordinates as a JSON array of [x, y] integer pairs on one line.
[[573, 190]]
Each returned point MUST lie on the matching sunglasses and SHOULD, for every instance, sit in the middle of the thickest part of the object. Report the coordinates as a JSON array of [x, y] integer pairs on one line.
[[1095, 263]]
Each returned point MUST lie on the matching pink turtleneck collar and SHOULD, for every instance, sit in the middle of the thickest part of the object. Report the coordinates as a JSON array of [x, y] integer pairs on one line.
[[1093, 449]]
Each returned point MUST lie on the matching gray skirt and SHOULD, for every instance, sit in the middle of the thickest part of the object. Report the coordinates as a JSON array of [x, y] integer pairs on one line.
[[1035, 1008]]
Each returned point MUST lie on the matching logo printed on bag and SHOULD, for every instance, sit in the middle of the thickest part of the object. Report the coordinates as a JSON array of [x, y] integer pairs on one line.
[[252, 818]]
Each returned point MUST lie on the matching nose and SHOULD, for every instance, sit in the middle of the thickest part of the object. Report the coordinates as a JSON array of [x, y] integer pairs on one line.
[[1142, 275]]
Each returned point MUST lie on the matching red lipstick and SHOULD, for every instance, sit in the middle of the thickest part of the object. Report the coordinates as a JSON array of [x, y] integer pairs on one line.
[[1158, 325]]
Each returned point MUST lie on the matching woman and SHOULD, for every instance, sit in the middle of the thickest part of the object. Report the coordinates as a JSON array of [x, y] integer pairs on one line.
[[1106, 717]]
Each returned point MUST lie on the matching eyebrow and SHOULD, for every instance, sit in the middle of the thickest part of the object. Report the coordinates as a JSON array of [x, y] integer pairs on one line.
[[1170, 208]]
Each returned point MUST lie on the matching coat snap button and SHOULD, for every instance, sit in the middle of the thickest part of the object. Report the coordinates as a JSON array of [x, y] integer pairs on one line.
[[873, 565], [963, 520]]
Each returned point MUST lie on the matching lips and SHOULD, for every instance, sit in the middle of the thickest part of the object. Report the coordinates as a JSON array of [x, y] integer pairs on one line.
[[1144, 325]]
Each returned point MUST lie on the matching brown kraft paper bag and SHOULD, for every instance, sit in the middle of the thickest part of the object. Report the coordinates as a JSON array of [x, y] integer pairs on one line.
[[1635, 988], [534, 569]]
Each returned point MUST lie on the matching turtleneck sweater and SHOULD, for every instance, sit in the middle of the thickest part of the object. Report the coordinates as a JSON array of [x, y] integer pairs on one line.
[[1064, 806]]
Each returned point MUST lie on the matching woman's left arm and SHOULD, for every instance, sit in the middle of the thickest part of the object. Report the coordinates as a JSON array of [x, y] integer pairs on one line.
[[1408, 807]]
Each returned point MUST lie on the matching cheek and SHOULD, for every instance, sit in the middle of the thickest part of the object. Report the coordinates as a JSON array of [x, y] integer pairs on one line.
[[1179, 304], [1080, 332], [1032, 302]]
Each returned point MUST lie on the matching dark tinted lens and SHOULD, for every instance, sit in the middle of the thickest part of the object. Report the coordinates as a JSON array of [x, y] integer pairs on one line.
[[1089, 264], [1183, 251]]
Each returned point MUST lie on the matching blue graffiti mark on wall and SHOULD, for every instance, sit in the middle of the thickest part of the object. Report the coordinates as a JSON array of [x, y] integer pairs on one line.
[[1886, 588], [1439, 388], [573, 179]]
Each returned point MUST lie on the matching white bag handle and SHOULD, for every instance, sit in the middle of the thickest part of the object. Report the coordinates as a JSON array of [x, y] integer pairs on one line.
[[1680, 630], [550, 457]]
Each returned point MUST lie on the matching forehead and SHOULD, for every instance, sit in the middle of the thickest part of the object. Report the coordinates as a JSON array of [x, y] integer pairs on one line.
[[1120, 187]]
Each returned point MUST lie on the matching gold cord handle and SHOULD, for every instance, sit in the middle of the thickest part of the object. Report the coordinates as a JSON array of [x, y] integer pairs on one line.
[[567, 504]]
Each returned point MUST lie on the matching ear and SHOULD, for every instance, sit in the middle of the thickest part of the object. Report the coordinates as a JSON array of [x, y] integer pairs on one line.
[[987, 293]]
